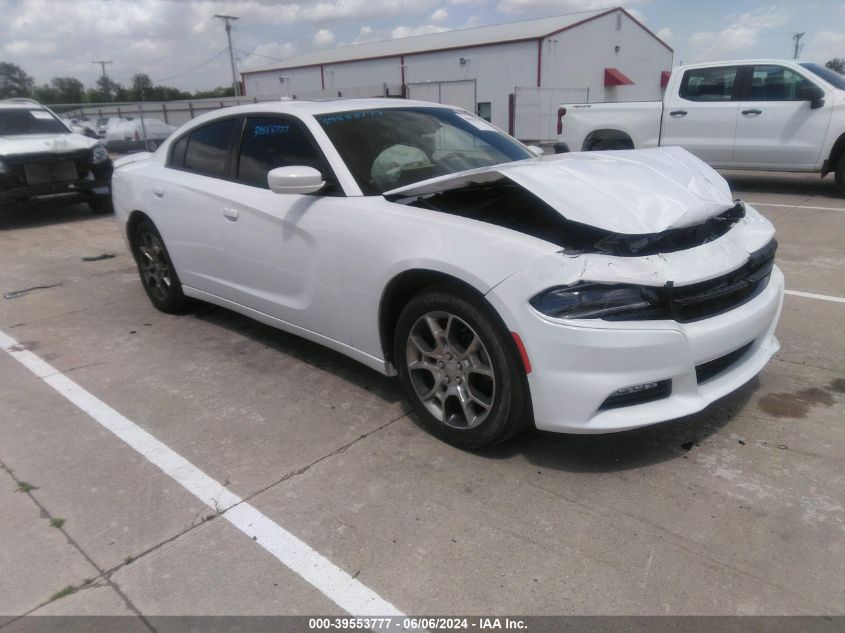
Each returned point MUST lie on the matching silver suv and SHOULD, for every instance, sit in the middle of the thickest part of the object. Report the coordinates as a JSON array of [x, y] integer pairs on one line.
[[41, 158]]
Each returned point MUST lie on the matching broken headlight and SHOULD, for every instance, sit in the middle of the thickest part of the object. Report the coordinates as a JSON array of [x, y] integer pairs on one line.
[[593, 301]]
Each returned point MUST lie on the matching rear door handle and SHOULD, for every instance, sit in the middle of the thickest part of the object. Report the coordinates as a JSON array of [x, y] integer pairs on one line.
[[230, 214], [678, 113], [752, 112], [158, 192]]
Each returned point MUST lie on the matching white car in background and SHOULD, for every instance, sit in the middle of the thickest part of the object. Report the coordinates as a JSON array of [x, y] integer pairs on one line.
[[580, 293], [127, 135]]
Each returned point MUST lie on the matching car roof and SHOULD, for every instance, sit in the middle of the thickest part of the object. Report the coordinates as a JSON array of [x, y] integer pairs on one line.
[[742, 62], [303, 107], [13, 104]]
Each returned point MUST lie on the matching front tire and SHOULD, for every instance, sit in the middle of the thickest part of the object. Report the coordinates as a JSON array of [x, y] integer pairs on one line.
[[156, 269], [840, 175], [460, 369]]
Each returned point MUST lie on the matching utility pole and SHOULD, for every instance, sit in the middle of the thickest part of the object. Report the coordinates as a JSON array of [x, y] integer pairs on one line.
[[228, 19], [102, 64], [797, 37]]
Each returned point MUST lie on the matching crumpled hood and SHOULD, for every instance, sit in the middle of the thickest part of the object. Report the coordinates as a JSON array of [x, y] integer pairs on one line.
[[41, 143], [630, 191]]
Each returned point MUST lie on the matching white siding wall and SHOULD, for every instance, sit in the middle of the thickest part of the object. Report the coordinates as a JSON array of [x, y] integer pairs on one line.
[[363, 73], [496, 69], [573, 59], [579, 56]]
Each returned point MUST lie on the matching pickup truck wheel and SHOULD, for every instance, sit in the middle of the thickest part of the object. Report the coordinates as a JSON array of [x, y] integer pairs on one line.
[[840, 175], [458, 369], [608, 145]]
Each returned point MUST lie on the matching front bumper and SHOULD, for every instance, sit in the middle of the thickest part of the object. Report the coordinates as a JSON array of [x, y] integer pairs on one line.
[[577, 365], [14, 190]]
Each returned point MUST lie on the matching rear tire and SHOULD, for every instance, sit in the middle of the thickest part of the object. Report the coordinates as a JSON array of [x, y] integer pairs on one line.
[[611, 145], [161, 283], [460, 370], [840, 175]]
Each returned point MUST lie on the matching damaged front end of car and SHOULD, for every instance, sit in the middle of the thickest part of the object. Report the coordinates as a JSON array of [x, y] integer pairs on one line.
[[658, 294]]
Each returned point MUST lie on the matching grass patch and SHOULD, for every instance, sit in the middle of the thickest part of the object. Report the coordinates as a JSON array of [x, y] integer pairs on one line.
[[25, 487], [128, 559], [62, 593], [57, 522]]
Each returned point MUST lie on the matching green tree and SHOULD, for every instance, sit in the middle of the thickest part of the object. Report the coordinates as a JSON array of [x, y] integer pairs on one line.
[[14, 82], [837, 64], [142, 87], [68, 89], [109, 90]]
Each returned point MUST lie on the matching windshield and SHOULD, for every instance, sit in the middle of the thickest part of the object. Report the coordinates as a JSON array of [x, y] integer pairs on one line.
[[832, 77], [15, 121], [392, 147]]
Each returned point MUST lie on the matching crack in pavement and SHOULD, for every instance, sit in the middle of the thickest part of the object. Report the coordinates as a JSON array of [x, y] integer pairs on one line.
[[106, 574], [101, 573]]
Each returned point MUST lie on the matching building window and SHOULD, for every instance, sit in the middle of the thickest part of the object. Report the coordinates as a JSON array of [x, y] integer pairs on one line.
[[484, 111]]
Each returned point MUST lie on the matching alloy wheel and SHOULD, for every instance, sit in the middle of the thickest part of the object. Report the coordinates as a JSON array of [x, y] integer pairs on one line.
[[155, 270], [450, 370]]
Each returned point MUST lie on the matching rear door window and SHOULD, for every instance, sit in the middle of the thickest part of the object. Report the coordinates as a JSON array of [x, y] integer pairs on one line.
[[777, 83], [709, 84], [208, 148]]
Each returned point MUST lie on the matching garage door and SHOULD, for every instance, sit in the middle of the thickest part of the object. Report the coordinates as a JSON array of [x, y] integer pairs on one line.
[[456, 93]]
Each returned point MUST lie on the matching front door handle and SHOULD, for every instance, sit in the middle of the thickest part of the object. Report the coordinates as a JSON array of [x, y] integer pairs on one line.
[[752, 112], [678, 113], [230, 214], [158, 192]]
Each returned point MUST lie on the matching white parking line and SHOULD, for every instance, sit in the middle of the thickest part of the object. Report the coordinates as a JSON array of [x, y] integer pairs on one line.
[[793, 206], [337, 585], [811, 295]]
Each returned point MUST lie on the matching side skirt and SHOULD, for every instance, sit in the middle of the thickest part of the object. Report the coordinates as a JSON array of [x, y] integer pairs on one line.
[[378, 364]]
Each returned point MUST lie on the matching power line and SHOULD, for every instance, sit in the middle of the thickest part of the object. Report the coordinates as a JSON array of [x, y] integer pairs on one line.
[[278, 59], [228, 19], [190, 70]]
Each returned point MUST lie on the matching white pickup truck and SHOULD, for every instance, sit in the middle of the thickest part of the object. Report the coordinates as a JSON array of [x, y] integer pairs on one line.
[[753, 114]]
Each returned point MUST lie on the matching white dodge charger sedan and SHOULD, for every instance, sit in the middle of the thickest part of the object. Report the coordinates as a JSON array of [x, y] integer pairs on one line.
[[579, 293]]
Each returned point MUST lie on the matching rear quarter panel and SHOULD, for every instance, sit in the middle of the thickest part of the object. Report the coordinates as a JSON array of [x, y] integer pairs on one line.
[[639, 120]]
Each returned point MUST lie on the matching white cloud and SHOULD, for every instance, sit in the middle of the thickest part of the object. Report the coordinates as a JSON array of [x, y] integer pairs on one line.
[[742, 35], [824, 46], [560, 6], [440, 15], [323, 37], [410, 31], [666, 34]]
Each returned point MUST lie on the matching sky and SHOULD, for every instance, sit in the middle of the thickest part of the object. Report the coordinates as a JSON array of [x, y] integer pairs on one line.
[[179, 43]]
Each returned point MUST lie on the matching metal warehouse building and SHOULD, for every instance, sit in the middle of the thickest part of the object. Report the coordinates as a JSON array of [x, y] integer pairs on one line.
[[513, 75]]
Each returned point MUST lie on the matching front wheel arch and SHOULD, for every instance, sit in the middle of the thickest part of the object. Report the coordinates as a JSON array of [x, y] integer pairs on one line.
[[404, 287]]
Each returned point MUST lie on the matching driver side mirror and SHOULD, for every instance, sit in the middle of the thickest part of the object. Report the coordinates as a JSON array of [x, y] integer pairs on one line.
[[295, 179], [813, 94], [536, 150]]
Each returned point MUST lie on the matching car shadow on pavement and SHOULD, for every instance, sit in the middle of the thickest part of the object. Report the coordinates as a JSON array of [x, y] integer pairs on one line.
[[44, 214], [304, 351], [614, 452], [565, 452], [779, 182]]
